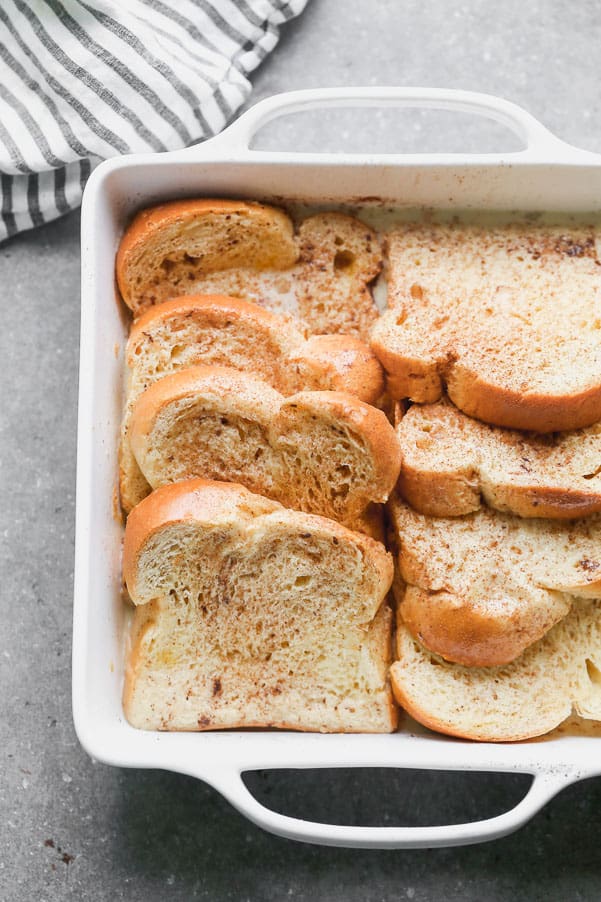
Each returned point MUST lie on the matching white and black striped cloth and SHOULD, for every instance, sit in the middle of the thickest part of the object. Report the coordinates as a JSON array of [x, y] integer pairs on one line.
[[83, 80]]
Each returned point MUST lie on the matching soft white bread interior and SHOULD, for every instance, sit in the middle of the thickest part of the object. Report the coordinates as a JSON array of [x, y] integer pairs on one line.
[[320, 452], [226, 331], [248, 614], [321, 274], [557, 676], [483, 587], [506, 318], [340, 257], [453, 463]]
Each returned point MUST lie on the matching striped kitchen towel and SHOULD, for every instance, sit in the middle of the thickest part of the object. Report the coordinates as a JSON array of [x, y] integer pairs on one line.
[[83, 80]]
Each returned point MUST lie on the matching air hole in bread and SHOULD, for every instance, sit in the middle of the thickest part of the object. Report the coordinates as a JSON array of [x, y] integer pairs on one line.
[[594, 674], [343, 260], [177, 351], [303, 580], [593, 474]]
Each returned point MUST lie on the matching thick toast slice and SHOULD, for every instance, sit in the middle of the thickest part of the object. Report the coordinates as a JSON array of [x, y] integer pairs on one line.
[[324, 453], [321, 274], [557, 676], [248, 614], [506, 319], [213, 329], [453, 463], [481, 588]]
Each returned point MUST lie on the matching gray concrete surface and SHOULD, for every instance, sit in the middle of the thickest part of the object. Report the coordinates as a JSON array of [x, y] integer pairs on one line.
[[74, 830]]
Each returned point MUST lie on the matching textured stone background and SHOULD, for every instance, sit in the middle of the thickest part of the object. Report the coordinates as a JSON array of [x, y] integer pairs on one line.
[[75, 830]]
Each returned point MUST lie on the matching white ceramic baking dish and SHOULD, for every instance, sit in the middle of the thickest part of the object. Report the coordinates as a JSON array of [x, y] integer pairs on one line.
[[547, 175]]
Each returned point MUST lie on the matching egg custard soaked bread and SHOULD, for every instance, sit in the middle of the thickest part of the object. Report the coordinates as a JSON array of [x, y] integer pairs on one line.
[[505, 318], [452, 464], [213, 329], [558, 675], [249, 614], [481, 588], [320, 452], [321, 272]]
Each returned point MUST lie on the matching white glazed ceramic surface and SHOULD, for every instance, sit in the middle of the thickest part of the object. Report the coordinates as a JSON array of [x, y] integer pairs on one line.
[[547, 175]]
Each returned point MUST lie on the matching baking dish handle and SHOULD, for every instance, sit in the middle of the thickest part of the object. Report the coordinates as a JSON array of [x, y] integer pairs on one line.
[[540, 144], [544, 787]]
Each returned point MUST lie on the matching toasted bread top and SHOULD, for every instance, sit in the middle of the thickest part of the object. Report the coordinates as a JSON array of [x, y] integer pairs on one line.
[[453, 463], [211, 234], [321, 452], [554, 677], [226, 331], [220, 506], [505, 318], [321, 274], [481, 588]]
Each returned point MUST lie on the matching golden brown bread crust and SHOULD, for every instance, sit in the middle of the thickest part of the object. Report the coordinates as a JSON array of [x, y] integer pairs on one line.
[[553, 678], [481, 588], [322, 274], [151, 225], [193, 553], [504, 318], [471, 632], [532, 411], [424, 381], [210, 501], [453, 464], [196, 499], [204, 402], [288, 359], [220, 330]]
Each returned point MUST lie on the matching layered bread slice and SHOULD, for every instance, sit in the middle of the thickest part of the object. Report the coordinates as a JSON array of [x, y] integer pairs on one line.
[[248, 614], [226, 331], [322, 273], [451, 464], [557, 676], [168, 247], [320, 452], [505, 318], [480, 589]]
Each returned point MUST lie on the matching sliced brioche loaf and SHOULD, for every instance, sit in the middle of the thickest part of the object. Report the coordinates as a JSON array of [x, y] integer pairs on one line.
[[483, 587], [321, 452], [227, 331], [507, 319], [452, 463], [168, 247], [250, 251], [248, 614], [558, 675]]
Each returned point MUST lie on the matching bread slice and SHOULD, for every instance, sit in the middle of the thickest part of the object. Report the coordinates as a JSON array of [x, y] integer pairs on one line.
[[322, 274], [227, 331], [321, 452], [482, 588], [340, 257], [168, 247], [506, 318], [248, 614], [558, 675], [453, 463]]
